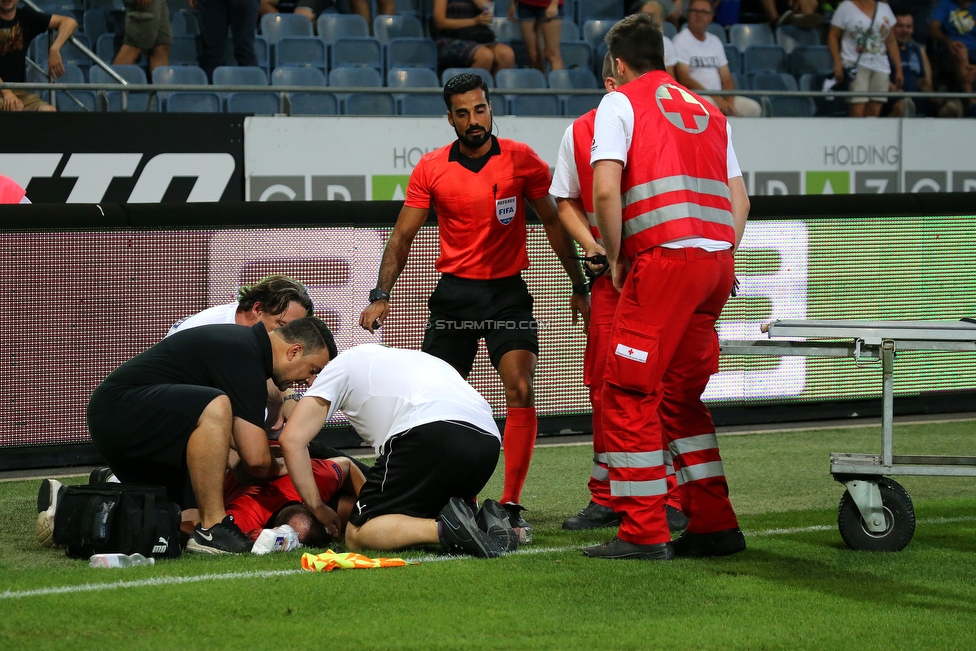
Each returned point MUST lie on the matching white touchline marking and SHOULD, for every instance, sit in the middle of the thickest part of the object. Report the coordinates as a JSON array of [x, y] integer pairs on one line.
[[177, 580]]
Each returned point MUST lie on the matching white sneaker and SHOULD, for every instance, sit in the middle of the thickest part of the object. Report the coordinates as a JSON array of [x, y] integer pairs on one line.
[[47, 506], [279, 539]]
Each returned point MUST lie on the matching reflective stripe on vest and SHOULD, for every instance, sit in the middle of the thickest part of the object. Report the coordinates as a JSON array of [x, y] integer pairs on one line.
[[700, 471], [694, 444], [635, 459], [651, 488]]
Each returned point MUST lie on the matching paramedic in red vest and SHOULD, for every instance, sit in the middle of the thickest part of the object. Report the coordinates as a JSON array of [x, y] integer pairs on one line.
[[572, 185], [671, 208], [479, 186]]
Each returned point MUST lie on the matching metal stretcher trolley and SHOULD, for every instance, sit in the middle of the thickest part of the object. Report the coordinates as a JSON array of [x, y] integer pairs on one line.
[[875, 513]]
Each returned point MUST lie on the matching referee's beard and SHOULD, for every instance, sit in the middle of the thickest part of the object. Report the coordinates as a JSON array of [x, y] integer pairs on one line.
[[474, 141]]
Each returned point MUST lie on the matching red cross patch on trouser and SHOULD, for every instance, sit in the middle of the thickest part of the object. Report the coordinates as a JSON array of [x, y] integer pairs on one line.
[[662, 351]]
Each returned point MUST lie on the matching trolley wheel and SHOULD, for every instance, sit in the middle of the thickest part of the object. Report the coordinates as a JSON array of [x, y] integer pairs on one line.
[[899, 516]]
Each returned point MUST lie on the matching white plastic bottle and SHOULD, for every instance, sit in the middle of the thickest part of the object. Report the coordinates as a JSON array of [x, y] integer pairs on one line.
[[279, 539], [119, 560]]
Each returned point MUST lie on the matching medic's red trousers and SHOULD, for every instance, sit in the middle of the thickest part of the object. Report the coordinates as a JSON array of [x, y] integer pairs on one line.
[[663, 349]]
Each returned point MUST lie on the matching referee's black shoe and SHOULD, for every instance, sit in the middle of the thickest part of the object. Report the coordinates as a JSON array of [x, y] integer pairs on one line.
[[618, 548], [225, 537], [592, 516], [493, 520], [459, 532]]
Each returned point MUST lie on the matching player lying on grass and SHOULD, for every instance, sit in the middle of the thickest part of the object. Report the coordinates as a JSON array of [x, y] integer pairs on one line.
[[437, 446]]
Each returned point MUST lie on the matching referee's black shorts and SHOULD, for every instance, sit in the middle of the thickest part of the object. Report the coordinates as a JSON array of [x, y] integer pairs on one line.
[[142, 432], [463, 311], [424, 467]]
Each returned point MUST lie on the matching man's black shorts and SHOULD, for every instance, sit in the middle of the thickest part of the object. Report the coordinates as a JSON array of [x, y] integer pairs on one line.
[[463, 311], [142, 432], [424, 467]]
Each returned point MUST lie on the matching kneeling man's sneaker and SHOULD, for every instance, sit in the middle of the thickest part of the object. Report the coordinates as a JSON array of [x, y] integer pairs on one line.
[[716, 543], [492, 518], [225, 537], [518, 523], [460, 533], [48, 495], [102, 475], [592, 516], [618, 548]]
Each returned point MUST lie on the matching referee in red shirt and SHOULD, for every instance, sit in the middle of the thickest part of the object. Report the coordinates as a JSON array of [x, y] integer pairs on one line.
[[479, 185]]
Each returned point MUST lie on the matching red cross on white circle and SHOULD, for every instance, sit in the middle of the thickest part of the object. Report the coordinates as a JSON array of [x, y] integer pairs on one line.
[[681, 108]]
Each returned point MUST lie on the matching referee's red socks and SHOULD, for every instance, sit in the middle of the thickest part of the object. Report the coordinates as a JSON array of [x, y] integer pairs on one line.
[[521, 428]]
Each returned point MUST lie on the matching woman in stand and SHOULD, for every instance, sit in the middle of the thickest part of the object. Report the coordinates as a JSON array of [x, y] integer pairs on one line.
[[464, 37], [861, 40], [541, 22]]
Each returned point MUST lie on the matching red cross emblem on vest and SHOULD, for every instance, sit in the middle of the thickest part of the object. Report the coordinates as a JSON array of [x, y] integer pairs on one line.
[[681, 108]]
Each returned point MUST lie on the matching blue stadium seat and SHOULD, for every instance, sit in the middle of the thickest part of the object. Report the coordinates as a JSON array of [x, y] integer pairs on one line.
[[362, 51], [240, 76], [187, 102], [359, 76], [520, 78], [741, 80], [719, 31], [301, 51], [773, 81], [412, 78], [70, 53], [68, 105], [72, 75], [95, 23], [791, 36], [261, 49], [137, 102], [408, 7], [411, 52], [734, 56], [764, 58], [501, 7], [178, 24], [791, 107], [571, 31], [298, 76], [422, 105], [336, 26], [184, 51], [601, 10], [595, 30], [481, 72], [275, 26], [369, 104], [534, 105], [313, 104], [505, 30], [815, 59], [576, 105], [573, 78], [187, 20], [669, 29], [259, 103], [599, 54], [388, 27], [179, 75], [743, 36], [577, 55]]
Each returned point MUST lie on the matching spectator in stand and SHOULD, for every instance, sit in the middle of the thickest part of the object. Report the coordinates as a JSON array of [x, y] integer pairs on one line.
[[147, 29], [915, 67], [702, 65], [464, 37], [541, 22], [953, 31], [215, 17], [663, 10], [312, 8], [802, 13], [860, 32], [18, 27]]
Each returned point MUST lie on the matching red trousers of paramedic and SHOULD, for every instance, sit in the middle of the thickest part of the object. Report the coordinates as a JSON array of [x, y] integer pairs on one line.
[[603, 305], [663, 349]]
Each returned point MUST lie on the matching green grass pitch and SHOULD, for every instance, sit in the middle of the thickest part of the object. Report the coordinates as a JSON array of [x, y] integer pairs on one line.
[[797, 586]]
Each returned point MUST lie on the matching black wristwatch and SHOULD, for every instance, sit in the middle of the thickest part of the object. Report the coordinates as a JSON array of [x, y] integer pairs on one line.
[[377, 294], [582, 289]]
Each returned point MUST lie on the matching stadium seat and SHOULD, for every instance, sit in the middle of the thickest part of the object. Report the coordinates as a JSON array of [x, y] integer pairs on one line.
[[240, 76], [734, 56], [411, 52], [178, 24], [358, 76], [743, 36], [301, 51], [95, 23], [534, 105], [573, 78], [298, 76], [791, 107], [70, 53], [791, 36], [422, 105], [362, 51], [595, 30], [576, 105], [187, 102], [612, 10], [669, 29], [505, 30], [577, 55], [408, 7], [481, 72], [184, 51], [259, 103], [719, 31], [773, 81], [764, 58], [387, 27], [571, 31], [742, 81], [520, 78], [369, 104], [67, 104], [137, 102], [599, 54], [313, 104], [179, 75], [276, 26], [412, 78], [336, 26], [815, 59], [72, 75]]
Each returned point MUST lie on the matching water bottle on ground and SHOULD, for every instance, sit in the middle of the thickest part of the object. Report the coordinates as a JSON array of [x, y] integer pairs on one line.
[[119, 560], [279, 539]]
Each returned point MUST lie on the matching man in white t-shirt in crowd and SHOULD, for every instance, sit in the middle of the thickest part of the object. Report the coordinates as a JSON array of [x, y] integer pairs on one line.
[[436, 444], [703, 66]]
